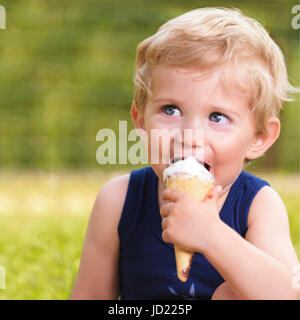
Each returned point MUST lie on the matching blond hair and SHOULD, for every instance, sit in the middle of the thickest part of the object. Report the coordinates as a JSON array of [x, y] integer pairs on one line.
[[208, 38]]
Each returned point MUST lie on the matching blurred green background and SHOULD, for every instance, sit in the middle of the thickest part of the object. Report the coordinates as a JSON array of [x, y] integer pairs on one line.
[[66, 71], [67, 68]]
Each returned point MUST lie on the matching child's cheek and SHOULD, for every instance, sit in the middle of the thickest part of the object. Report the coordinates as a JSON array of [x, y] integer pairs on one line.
[[159, 146], [220, 127]]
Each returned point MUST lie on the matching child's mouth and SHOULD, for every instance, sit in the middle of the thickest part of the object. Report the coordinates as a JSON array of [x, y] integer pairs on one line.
[[205, 164]]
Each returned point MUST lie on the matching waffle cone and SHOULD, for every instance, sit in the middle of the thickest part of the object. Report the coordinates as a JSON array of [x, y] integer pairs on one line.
[[198, 189]]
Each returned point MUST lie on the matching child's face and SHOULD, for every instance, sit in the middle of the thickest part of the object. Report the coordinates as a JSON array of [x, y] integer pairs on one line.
[[184, 101]]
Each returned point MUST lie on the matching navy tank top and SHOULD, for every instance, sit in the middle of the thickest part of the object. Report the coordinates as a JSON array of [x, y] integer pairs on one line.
[[147, 263]]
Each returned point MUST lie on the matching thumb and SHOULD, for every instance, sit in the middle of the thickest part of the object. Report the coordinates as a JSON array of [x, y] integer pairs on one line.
[[213, 193]]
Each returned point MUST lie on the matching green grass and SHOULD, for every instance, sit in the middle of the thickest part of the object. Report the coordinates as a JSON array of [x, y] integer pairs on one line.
[[43, 223], [40, 255]]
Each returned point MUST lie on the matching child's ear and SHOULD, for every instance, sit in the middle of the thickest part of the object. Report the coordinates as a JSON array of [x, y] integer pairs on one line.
[[261, 143], [137, 117]]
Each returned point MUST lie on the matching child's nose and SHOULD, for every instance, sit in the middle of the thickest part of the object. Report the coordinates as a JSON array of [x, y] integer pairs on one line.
[[194, 122], [191, 139], [191, 143], [193, 132]]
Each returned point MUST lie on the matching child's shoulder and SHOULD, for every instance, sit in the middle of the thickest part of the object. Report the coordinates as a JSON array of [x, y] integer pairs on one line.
[[110, 199], [114, 191], [268, 226], [266, 203], [266, 200], [119, 183]]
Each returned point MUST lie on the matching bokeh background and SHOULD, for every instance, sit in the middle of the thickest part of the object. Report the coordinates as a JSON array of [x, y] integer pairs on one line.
[[66, 71]]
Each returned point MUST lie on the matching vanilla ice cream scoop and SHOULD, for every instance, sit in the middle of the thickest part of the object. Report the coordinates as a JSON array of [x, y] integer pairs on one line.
[[189, 167]]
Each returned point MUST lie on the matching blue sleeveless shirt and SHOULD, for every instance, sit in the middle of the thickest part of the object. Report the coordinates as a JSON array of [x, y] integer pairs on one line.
[[147, 263]]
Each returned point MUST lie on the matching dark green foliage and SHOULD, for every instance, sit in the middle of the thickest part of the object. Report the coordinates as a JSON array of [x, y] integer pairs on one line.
[[66, 71]]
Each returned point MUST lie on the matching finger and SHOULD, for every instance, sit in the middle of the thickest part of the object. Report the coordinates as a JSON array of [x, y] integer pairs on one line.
[[165, 209], [164, 223], [172, 194], [213, 193], [165, 236]]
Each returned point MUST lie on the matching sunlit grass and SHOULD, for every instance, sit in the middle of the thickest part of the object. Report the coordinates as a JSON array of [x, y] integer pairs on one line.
[[44, 219], [43, 223]]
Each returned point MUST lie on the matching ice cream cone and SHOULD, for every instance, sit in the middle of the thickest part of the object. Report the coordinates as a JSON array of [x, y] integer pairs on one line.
[[196, 185]]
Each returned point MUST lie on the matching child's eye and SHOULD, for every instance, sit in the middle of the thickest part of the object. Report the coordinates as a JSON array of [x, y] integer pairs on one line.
[[171, 110], [218, 117]]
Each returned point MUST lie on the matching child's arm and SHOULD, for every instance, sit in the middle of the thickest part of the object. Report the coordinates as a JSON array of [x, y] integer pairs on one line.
[[259, 275], [256, 268], [223, 292], [268, 230], [98, 272]]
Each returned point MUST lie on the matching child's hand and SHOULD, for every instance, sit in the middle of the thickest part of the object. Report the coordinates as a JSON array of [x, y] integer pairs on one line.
[[187, 222]]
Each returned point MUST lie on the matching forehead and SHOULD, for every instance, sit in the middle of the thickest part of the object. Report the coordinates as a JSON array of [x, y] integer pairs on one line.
[[187, 85]]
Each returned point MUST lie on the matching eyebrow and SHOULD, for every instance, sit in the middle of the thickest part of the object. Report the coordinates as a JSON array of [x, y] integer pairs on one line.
[[169, 100]]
